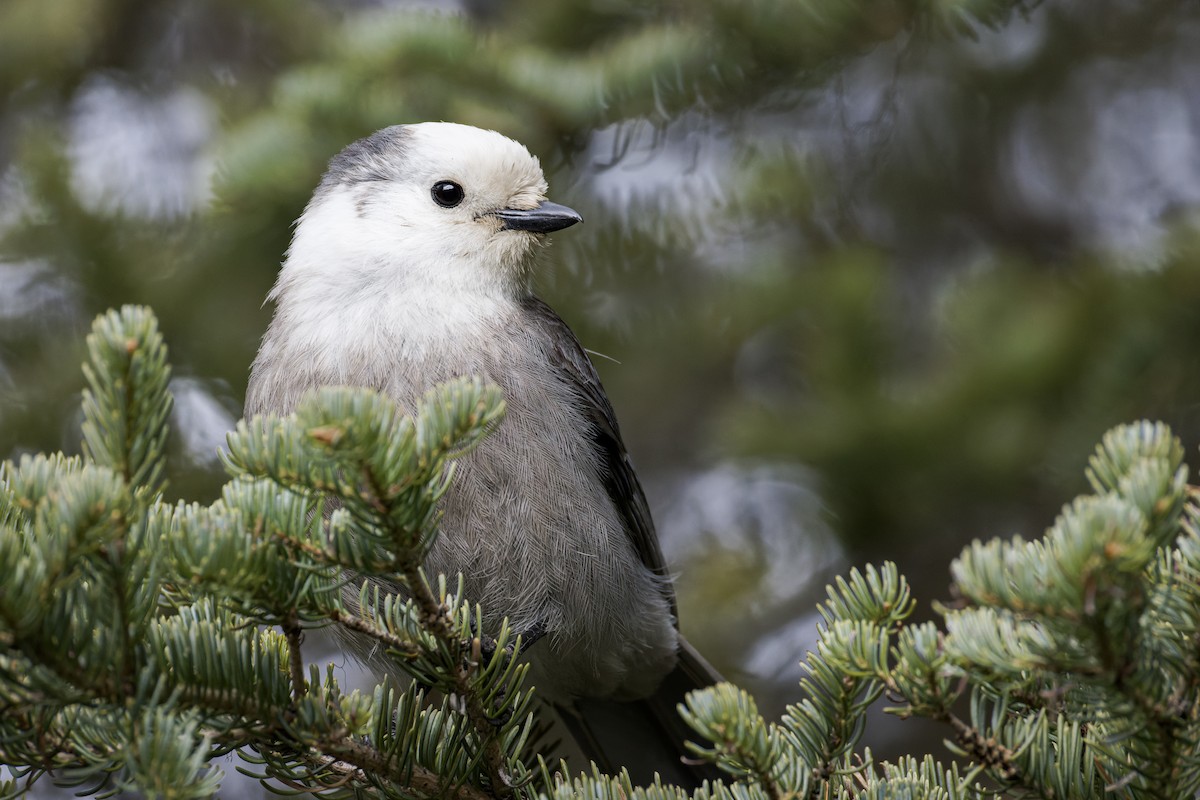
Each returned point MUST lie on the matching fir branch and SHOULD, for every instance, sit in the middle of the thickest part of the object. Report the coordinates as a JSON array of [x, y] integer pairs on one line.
[[421, 780], [386, 638], [127, 404], [744, 745], [438, 621], [129, 627], [41, 656], [231, 702], [360, 434], [985, 750], [293, 635], [451, 420], [1079, 649]]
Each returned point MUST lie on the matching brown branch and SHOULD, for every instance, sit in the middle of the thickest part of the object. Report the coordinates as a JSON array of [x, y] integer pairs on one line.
[[294, 634], [437, 618], [365, 758], [988, 752], [385, 637], [354, 761], [115, 556], [229, 701], [59, 662], [311, 550]]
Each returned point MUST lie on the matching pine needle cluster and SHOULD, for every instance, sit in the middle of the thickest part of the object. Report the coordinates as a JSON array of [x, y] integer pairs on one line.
[[139, 639], [1068, 667]]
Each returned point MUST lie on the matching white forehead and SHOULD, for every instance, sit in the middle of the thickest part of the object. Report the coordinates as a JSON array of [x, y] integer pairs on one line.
[[467, 151], [488, 164]]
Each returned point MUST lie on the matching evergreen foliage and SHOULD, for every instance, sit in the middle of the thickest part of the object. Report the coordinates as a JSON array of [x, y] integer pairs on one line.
[[901, 262], [139, 639]]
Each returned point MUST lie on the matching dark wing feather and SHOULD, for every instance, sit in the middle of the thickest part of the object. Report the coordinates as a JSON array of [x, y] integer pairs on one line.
[[620, 480]]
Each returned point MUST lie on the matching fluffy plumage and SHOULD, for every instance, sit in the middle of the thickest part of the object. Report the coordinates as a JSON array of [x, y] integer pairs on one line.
[[385, 288]]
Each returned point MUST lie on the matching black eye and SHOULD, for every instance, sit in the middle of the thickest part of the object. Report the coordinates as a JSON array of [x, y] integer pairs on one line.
[[447, 194]]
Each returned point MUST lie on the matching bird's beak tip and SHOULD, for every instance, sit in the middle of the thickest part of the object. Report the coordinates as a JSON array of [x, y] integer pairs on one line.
[[546, 218]]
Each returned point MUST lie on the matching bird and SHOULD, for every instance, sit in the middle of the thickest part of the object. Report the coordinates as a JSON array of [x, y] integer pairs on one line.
[[412, 265]]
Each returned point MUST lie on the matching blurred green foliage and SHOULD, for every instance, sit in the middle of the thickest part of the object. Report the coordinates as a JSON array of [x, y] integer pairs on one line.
[[930, 248]]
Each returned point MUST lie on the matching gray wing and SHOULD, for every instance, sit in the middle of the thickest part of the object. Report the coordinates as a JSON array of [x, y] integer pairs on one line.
[[576, 370]]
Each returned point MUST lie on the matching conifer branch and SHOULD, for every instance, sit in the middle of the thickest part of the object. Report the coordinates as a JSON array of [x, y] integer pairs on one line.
[[386, 638], [988, 752], [422, 781], [127, 404], [293, 634], [1077, 650], [437, 619]]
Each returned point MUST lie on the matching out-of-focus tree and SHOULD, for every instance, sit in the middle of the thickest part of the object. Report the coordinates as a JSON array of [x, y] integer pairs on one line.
[[889, 267]]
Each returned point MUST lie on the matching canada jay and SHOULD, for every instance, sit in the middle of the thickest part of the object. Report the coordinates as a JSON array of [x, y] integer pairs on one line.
[[410, 266]]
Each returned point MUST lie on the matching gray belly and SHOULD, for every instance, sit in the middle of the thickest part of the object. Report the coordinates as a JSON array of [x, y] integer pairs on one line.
[[529, 524], [527, 520]]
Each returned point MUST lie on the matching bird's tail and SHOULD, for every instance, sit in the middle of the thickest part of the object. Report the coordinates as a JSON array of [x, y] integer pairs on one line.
[[645, 736]]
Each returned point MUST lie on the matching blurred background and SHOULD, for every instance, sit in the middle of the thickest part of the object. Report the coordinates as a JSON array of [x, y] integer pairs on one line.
[[871, 277]]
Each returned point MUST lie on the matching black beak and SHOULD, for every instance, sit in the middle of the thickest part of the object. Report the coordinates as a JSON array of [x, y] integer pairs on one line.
[[545, 218]]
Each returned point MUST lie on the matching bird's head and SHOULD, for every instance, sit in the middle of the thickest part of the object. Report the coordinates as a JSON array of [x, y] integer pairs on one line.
[[434, 205]]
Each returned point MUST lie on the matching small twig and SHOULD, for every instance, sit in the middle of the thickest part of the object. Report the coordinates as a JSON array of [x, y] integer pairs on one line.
[[387, 638], [311, 550], [528, 638], [294, 635], [230, 702], [988, 752], [437, 618], [358, 763], [363, 757]]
